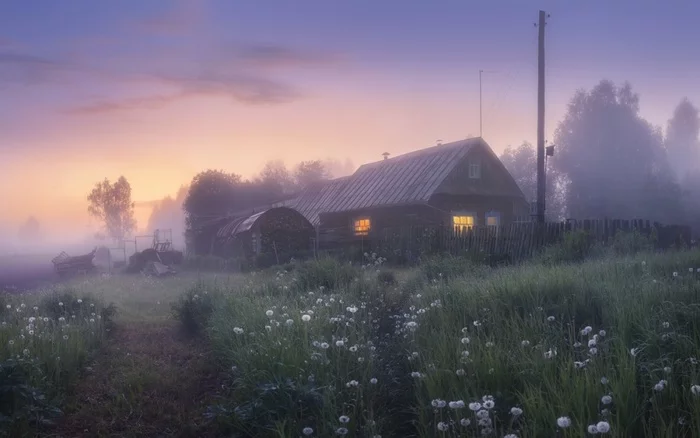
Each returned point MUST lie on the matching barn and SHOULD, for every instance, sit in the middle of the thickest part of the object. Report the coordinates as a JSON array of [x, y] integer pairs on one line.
[[460, 184]]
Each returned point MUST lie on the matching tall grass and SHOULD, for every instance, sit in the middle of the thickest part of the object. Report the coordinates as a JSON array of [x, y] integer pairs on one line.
[[605, 347], [45, 341]]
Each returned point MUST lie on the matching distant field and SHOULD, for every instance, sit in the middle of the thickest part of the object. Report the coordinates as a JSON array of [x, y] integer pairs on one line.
[[25, 271]]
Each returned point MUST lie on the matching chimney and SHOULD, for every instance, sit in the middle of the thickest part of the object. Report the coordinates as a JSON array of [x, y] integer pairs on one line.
[[386, 155]]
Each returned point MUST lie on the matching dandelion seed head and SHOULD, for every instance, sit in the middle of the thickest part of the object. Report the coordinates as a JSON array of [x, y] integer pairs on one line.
[[606, 399], [307, 431], [344, 419], [515, 411], [602, 427], [563, 422]]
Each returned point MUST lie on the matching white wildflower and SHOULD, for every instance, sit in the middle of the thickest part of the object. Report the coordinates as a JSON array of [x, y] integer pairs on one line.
[[307, 431], [344, 419], [603, 427], [515, 411], [606, 400], [563, 422]]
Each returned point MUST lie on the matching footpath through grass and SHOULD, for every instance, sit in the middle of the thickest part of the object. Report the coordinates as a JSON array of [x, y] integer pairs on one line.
[[71, 367]]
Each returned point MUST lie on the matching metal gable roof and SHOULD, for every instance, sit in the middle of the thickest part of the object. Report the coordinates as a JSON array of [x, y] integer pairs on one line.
[[405, 179]]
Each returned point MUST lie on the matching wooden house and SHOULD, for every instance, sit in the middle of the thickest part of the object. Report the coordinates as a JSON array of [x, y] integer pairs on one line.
[[460, 184]]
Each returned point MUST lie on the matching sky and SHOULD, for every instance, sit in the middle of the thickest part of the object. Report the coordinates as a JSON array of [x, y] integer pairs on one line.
[[160, 90]]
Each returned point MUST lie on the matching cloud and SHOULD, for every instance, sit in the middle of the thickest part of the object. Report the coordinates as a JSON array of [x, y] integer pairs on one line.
[[242, 89], [276, 56], [26, 68]]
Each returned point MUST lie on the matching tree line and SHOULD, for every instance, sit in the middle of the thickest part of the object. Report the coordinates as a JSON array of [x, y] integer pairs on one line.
[[611, 162], [608, 162]]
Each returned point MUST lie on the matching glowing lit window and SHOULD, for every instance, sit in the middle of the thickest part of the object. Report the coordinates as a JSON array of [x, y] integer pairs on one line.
[[463, 222], [362, 226]]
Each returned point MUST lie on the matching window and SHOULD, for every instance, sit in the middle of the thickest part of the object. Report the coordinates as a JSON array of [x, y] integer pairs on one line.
[[463, 221], [493, 219], [475, 169], [362, 226]]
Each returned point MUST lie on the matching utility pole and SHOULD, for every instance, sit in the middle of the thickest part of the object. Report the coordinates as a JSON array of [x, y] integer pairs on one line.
[[541, 187], [481, 133]]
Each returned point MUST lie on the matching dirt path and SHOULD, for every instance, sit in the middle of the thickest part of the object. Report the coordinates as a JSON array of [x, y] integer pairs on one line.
[[148, 381]]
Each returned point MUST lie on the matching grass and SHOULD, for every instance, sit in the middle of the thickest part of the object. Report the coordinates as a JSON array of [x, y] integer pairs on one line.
[[608, 345], [326, 349]]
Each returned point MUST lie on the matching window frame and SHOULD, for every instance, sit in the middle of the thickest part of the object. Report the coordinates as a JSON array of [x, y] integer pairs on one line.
[[460, 227], [493, 214], [358, 230], [474, 164]]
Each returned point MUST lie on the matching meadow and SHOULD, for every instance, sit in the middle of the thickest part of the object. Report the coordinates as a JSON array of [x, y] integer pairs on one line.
[[607, 346]]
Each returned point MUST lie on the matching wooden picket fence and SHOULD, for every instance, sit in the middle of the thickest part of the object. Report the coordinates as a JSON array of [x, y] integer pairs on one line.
[[515, 241]]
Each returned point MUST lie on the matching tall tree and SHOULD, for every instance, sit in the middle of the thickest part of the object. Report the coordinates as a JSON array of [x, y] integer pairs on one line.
[[613, 160], [276, 178], [521, 163], [307, 173], [112, 205], [682, 143], [211, 194]]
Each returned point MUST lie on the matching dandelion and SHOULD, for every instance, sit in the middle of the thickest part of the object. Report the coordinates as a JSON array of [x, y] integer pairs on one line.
[[482, 415], [665, 324], [268, 328], [324, 345], [592, 343], [489, 344], [306, 318], [465, 330], [442, 427], [307, 431], [634, 352], [11, 342], [586, 330], [60, 303], [344, 419], [550, 319], [592, 429], [593, 351], [80, 301], [510, 435], [460, 372], [373, 380], [474, 406], [660, 386], [563, 422], [437, 403], [289, 322], [695, 390], [667, 370], [603, 427], [65, 337], [416, 374], [476, 324], [269, 314], [459, 404], [606, 400], [489, 404], [675, 274], [352, 384], [341, 431], [465, 340], [465, 422], [525, 343], [604, 380], [340, 343], [602, 333], [238, 330], [465, 353], [515, 411]]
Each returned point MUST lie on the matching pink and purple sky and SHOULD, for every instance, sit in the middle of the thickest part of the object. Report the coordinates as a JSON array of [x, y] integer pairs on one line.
[[160, 90]]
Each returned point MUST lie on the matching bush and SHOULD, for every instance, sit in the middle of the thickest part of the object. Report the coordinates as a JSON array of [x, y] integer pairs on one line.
[[194, 308], [326, 273], [632, 242], [575, 246]]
